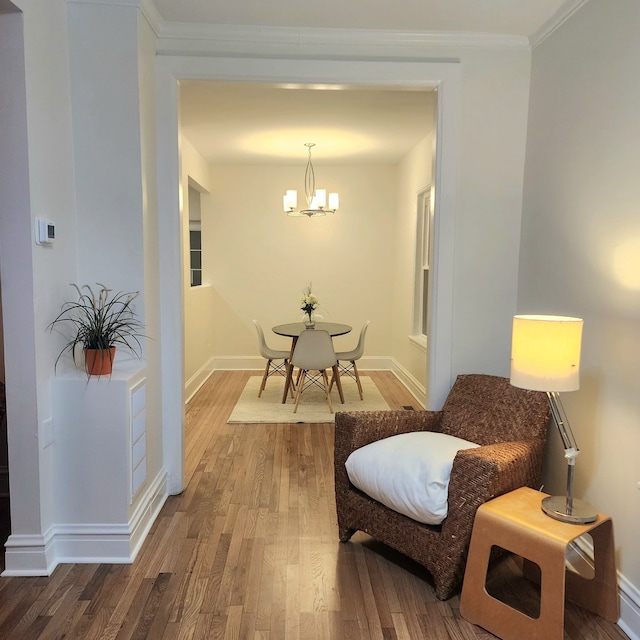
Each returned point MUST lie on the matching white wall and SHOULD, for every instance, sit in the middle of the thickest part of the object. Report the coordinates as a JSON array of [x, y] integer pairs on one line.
[[107, 145], [242, 235], [414, 175], [261, 259], [115, 233], [494, 119], [199, 313], [36, 161], [483, 210], [147, 216], [581, 250]]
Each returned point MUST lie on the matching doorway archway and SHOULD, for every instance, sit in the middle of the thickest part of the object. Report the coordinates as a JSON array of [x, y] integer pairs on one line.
[[171, 69]]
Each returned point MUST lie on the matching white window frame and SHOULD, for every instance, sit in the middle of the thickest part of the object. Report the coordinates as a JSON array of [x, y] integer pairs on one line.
[[423, 271], [195, 224]]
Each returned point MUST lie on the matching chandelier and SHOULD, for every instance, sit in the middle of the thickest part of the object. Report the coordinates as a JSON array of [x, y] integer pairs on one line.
[[316, 198]]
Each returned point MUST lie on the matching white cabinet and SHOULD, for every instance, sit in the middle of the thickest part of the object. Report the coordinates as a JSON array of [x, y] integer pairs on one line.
[[99, 462]]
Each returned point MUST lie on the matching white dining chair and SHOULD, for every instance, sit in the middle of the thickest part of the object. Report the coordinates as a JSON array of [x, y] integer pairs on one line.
[[277, 361], [347, 361], [313, 355]]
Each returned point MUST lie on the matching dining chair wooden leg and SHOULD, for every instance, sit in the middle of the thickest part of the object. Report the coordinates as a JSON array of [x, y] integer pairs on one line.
[[264, 378], [287, 382], [289, 378], [299, 389], [357, 377], [336, 376], [333, 379], [325, 379], [292, 385]]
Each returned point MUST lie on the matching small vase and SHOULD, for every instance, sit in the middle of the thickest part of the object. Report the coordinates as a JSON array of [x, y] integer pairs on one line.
[[309, 322], [99, 362]]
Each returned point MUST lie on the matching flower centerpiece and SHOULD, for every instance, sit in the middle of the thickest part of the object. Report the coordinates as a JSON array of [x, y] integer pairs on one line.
[[309, 304]]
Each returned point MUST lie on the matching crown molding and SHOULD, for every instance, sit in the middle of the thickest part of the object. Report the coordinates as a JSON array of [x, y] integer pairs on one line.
[[183, 38], [557, 20], [115, 3]]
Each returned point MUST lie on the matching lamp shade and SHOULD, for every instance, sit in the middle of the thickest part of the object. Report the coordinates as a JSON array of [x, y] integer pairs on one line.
[[545, 352]]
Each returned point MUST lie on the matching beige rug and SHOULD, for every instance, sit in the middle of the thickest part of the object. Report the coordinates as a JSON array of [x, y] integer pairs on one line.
[[313, 405]]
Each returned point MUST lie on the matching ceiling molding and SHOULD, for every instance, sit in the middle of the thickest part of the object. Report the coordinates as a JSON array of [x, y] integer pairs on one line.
[[178, 38], [557, 20], [115, 3]]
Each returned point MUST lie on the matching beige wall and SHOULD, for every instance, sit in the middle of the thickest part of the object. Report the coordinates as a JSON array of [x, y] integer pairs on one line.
[[261, 259], [257, 259], [199, 317], [414, 175], [580, 216], [580, 251]]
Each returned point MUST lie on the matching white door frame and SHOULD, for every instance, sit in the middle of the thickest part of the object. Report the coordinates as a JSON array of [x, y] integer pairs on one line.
[[444, 76]]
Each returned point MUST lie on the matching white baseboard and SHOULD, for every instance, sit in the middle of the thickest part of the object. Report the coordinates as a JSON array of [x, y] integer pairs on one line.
[[251, 363], [29, 555], [148, 510], [86, 543], [416, 389], [198, 379], [580, 554], [629, 620], [256, 363]]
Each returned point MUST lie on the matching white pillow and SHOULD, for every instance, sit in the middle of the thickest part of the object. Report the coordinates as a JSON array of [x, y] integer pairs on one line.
[[408, 473]]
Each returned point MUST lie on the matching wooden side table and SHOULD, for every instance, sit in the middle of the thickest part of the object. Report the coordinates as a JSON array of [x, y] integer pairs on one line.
[[515, 522]]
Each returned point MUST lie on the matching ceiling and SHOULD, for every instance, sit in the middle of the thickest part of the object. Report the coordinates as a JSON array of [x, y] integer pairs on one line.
[[241, 123], [255, 123]]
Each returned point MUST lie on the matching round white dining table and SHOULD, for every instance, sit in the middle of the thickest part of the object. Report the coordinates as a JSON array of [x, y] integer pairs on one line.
[[294, 329]]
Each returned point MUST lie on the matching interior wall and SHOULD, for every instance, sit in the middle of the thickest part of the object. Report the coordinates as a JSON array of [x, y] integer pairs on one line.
[[580, 252], [199, 313], [36, 180], [487, 237], [147, 216], [262, 259], [107, 146], [414, 175]]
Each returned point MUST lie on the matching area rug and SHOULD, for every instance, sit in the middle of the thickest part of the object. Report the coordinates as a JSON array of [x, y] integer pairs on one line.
[[313, 405]]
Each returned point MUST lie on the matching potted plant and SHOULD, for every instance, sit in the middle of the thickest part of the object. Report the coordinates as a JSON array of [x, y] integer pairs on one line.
[[101, 320]]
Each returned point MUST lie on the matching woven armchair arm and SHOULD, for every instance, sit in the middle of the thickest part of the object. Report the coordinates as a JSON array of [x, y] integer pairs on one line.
[[485, 472], [358, 428]]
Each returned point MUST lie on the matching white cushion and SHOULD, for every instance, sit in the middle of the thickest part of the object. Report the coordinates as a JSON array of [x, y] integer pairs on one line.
[[408, 473]]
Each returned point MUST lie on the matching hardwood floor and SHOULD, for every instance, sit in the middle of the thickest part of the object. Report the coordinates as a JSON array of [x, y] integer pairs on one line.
[[250, 550]]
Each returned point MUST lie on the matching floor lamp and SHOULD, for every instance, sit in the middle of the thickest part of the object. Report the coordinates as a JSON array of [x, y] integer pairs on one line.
[[545, 356]]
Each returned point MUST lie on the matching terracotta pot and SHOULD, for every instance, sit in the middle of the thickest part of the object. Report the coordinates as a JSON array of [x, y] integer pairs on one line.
[[99, 362]]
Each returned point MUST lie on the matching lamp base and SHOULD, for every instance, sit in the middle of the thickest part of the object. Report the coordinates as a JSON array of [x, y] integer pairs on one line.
[[581, 512]]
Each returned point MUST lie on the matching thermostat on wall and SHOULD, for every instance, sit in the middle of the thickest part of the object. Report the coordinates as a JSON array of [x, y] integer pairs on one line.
[[45, 231]]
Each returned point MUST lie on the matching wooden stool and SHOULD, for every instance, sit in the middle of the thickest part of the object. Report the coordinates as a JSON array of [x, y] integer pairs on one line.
[[516, 522]]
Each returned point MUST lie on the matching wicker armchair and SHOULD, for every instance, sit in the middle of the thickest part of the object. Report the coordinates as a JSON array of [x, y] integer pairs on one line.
[[510, 424]]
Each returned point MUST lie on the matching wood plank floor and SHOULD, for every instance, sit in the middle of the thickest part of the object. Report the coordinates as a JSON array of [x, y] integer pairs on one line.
[[250, 551]]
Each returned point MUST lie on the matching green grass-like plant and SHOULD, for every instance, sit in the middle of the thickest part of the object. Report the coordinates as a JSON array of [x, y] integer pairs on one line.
[[100, 320]]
